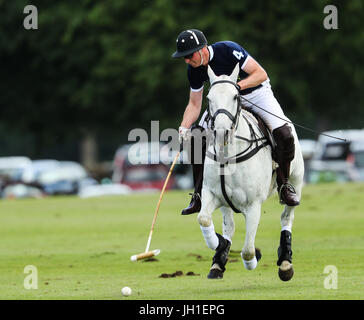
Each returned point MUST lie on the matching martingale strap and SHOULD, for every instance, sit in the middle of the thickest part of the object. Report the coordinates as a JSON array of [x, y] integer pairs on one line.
[[222, 180]]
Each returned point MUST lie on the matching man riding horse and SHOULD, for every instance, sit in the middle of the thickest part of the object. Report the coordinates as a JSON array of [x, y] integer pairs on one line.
[[254, 87]]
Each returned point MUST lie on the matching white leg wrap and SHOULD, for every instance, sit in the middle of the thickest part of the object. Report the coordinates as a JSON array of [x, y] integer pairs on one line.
[[251, 264], [287, 228], [227, 238], [210, 236]]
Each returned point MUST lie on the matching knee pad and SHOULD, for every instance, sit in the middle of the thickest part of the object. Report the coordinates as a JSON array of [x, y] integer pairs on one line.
[[284, 140]]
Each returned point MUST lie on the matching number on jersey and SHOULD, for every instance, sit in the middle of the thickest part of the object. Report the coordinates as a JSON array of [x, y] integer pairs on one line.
[[238, 54]]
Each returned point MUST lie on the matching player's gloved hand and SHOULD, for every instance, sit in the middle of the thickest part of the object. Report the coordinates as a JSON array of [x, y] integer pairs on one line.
[[184, 134]]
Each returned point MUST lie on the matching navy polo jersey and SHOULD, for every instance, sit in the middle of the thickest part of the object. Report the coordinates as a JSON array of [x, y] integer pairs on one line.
[[224, 56]]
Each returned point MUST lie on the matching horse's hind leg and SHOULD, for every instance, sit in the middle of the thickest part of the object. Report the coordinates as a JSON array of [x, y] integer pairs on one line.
[[284, 262], [249, 254]]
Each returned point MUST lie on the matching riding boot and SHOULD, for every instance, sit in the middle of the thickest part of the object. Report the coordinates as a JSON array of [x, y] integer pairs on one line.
[[287, 193], [285, 151], [197, 170], [195, 204]]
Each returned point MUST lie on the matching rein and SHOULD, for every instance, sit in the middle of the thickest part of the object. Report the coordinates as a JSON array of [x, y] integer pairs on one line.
[[243, 155]]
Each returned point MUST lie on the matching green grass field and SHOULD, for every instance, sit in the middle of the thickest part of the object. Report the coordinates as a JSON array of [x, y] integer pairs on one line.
[[82, 247]]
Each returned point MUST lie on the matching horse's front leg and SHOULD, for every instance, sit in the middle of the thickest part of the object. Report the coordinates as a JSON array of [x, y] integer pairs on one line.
[[213, 240], [228, 224], [249, 254], [208, 204]]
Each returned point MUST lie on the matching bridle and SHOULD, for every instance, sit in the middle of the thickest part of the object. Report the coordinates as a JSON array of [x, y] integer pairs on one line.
[[250, 150], [242, 156], [234, 119]]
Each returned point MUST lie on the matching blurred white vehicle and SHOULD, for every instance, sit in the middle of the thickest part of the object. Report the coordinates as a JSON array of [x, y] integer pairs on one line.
[[140, 165], [20, 190], [104, 190], [57, 177], [34, 170], [308, 148], [336, 160], [13, 167]]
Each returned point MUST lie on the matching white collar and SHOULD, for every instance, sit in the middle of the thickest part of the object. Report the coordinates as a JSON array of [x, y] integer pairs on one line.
[[211, 52]]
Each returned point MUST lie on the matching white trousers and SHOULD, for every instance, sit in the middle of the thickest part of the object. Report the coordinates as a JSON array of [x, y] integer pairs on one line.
[[262, 102]]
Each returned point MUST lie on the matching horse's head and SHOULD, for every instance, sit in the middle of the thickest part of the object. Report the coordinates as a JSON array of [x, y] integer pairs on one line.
[[224, 105]]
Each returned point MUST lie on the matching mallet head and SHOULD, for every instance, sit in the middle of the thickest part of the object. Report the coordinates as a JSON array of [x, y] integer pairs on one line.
[[145, 255]]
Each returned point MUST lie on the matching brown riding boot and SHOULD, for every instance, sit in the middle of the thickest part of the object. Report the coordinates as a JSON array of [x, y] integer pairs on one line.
[[287, 193], [285, 151]]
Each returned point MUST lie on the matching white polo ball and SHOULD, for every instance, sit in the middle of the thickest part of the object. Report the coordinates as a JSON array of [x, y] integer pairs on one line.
[[126, 291]]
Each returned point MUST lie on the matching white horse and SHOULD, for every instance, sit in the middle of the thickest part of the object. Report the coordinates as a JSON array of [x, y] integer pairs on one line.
[[238, 177]]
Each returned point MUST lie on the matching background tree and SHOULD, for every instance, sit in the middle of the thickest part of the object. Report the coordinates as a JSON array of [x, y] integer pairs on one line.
[[94, 70]]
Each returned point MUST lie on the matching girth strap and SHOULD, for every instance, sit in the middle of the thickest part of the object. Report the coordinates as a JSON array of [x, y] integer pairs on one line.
[[252, 152]]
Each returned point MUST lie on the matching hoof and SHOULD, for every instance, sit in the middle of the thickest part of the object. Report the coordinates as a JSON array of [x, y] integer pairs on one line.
[[258, 254], [215, 274], [285, 271]]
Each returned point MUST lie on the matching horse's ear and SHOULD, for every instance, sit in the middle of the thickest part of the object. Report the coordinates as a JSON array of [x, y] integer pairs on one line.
[[211, 74], [234, 75]]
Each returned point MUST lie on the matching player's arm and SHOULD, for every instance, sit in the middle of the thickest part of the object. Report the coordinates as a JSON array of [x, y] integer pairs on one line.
[[193, 109], [256, 74]]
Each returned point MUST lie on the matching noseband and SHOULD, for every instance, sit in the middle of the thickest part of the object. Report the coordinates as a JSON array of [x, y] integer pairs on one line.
[[235, 118]]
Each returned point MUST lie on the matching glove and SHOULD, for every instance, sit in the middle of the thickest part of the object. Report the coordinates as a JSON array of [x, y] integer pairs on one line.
[[184, 134]]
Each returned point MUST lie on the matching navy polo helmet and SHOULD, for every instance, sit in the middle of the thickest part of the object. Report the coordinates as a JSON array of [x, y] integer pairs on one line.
[[188, 42]]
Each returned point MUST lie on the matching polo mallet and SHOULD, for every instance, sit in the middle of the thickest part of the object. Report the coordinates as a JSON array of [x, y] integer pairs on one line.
[[152, 253]]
